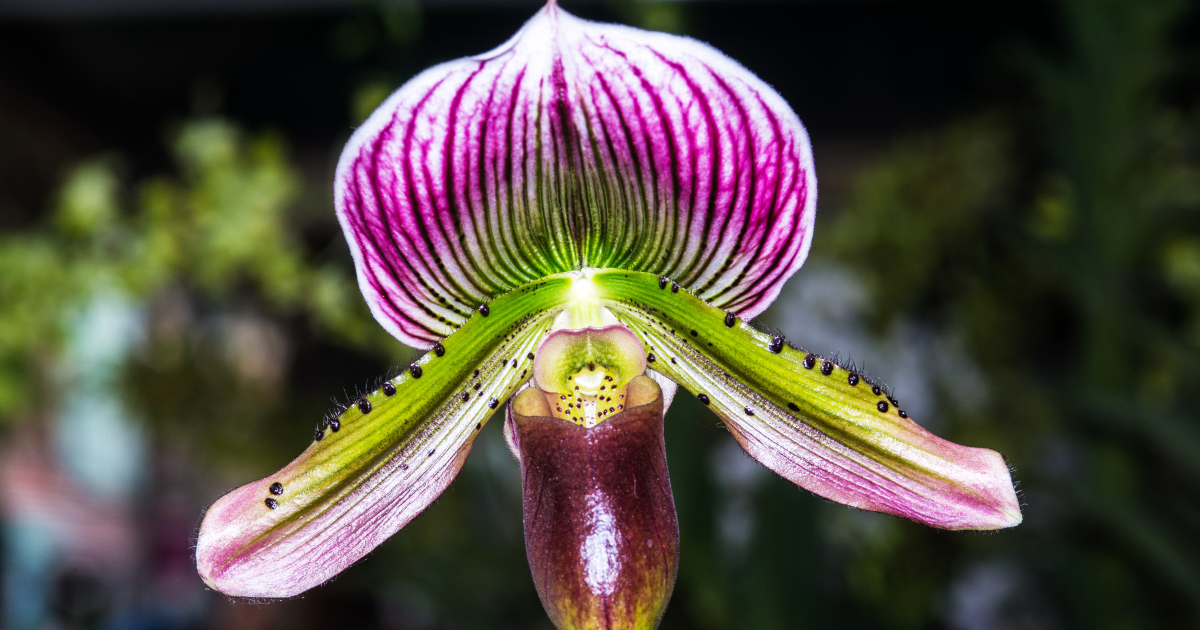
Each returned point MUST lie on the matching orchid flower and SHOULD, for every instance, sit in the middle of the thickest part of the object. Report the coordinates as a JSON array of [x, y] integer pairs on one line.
[[577, 222]]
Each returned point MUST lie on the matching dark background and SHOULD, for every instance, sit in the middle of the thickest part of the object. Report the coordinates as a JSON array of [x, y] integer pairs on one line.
[[1008, 233]]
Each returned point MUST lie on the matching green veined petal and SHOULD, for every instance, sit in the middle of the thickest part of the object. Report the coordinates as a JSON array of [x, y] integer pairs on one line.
[[379, 463], [574, 144], [810, 420]]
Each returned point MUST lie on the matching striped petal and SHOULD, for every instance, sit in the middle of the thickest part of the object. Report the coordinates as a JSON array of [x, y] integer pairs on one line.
[[377, 464], [574, 144], [810, 420]]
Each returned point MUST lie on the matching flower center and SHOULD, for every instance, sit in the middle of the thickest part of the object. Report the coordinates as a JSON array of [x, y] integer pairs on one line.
[[585, 363]]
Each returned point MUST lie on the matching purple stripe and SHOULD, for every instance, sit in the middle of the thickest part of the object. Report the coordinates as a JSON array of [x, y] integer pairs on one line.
[[575, 143]]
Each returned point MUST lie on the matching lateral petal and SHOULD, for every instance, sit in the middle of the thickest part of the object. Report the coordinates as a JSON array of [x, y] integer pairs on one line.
[[813, 422], [378, 463]]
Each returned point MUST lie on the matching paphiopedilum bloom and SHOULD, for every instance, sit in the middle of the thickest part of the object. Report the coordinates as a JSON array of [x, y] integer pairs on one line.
[[576, 223]]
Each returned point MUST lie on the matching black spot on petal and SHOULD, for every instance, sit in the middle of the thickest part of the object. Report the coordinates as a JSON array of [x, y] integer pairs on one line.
[[662, 282], [271, 503], [882, 407], [363, 405], [432, 451], [809, 362], [827, 368], [875, 389], [704, 398], [776, 345], [650, 358], [466, 396], [276, 488], [903, 414], [852, 379], [439, 349], [335, 425], [415, 370], [389, 389], [529, 356], [749, 411], [674, 288], [320, 435], [793, 406], [484, 310], [730, 320], [492, 403]]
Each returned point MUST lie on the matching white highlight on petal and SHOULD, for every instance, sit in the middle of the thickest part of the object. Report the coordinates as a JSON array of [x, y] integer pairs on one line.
[[601, 548]]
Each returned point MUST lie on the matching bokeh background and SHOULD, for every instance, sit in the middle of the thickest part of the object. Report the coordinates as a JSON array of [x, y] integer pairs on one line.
[[1009, 235]]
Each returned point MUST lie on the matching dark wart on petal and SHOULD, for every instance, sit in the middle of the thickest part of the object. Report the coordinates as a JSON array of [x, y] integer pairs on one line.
[[415, 370], [276, 488], [852, 379], [882, 407], [492, 403], [749, 411], [902, 413], [703, 398], [809, 362], [793, 406], [776, 345], [271, 503], [335, 425], [730, 320], [662, 282], [649, 359], [320, 435], [674, 288], [364, 405], [439, 349], [827, 368], [484, 310], [389, 389], [875, 390]]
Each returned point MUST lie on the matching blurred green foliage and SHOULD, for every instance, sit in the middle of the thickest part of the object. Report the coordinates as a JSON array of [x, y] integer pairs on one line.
[[224, 229], [1063, 251], [1058, 237]]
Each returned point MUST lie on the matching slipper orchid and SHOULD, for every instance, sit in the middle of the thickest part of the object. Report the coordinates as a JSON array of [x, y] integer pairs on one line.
[[578, 221]]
